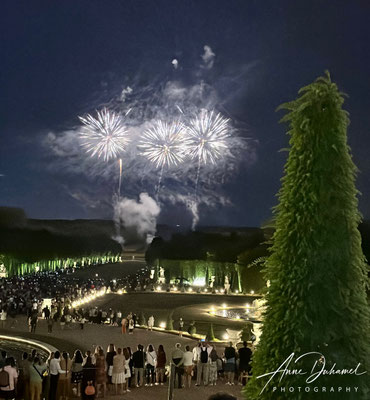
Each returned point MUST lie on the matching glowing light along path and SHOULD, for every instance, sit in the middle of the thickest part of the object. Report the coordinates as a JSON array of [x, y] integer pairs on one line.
[[207, 136], [163, 145], [105, 136]]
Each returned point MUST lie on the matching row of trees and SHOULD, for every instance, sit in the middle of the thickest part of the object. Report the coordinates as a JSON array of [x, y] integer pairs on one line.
[[242, 278], [222, 247], [26, 247], [18, 267]]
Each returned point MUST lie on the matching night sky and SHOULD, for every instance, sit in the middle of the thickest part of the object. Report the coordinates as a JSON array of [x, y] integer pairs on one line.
[[63, 59]]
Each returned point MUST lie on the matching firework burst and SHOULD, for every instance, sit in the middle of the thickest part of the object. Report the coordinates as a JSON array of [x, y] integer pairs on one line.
[[207, 137], [163, 144], [105, 136]]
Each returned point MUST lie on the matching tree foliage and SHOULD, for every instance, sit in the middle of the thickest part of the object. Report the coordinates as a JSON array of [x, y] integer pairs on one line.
[[204, 245], [317, 298], [210, 336], [169, 323]]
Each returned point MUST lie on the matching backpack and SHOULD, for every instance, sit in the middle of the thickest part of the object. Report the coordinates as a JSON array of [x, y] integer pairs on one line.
[[204, 355], [213, 356], [4, 378], [89, 389]]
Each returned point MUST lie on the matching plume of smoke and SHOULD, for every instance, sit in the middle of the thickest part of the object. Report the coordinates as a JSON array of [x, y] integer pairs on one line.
[[208, 57], [194, 209], [126, 91], [139, 215], [193, 204]]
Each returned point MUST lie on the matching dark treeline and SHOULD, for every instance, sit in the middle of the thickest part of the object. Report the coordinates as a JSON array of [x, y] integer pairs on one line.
[[27, 244], [33, 240], [222, 247], [235, 247], [31, 246]]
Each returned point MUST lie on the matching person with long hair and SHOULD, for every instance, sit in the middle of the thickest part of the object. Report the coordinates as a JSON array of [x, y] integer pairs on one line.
[[161, 365], [101, 374], [96, 353], [131, 366], [46, 381], [118, 375], [111, 352], [123, 325], [24, 376], [213, 357], [127, 356], [77, 374], [88, 377], [151, 363], [36, 375], [64, 385]]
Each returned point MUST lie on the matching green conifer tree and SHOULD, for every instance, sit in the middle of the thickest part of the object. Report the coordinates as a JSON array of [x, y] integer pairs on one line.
[[210, 337], [317, 298], [142, 319], [169, 323], [192, 330]]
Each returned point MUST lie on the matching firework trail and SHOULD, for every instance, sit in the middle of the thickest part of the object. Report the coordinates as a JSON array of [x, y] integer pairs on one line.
[[105, 136], [207, 137], [120, 177], [163, 145]]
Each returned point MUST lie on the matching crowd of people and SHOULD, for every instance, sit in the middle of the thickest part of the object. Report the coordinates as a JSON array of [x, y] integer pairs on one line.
[[25, 295], [119, 369], [95, 374]]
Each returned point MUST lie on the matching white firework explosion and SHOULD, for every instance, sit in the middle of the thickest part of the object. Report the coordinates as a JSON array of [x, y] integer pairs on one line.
[[163, 143], [207, 137], [105, 136]]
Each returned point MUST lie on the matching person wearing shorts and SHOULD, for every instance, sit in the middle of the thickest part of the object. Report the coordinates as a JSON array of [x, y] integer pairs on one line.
[[188, 366], [230, 364]]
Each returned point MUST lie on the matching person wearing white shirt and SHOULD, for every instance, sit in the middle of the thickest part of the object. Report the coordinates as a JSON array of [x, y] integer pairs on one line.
[[8, 392], [3, 318], [196, 353], [54, 371], [188, 365], [150, 322]]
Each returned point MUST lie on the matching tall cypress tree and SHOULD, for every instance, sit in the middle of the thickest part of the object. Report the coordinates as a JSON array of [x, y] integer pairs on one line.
[[317, 300]]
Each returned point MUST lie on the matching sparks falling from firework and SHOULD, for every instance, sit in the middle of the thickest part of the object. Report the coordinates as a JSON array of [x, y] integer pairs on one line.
[[163, 145], [105, 136], [207, 138]]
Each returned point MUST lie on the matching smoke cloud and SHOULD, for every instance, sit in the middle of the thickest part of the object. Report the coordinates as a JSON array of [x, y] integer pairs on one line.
[[126, 91], [208, 57], [138, 215], [175, 63]]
